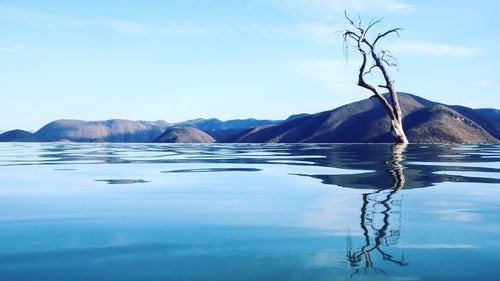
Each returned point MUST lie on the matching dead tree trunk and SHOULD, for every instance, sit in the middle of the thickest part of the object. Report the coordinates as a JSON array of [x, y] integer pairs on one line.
[[380, 60]]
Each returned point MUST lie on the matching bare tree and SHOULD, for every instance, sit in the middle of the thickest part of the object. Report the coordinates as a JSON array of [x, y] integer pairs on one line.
[[380, 60]]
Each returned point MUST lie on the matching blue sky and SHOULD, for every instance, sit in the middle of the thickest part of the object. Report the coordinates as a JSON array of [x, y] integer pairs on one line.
[[178, 60]]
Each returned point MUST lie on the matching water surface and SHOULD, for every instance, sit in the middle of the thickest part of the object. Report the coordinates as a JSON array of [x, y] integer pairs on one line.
[[249, 212]]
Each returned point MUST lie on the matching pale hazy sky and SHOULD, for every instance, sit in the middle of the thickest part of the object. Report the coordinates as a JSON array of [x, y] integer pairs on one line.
[[177, 60]]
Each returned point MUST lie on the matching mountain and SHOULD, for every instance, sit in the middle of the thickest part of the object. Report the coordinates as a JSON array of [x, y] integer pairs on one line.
[[490, 112], [115, 130], [296, 116], [442, 124], [214, 124], [221, 130], [366, 121], [19, 136], [184, 134], [486, 119]]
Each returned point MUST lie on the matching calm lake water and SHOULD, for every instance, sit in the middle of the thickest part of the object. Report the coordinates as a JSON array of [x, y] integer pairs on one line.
[[249, 212]]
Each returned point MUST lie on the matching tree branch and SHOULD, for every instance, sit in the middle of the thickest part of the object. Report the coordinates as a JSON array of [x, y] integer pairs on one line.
[[372, 23], [364, 84], [382, 35], [370, 70], [358, 27]]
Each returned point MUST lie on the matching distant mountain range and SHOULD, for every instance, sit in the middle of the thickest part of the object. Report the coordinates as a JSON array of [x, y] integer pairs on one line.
[[119, 130], [221, 130], [364, 121]]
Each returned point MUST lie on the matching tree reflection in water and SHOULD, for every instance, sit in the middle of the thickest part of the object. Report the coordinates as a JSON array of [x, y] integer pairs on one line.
[[380, 220]]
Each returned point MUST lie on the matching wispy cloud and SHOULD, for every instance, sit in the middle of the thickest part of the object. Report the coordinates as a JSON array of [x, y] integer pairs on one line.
[[322, 20], [318, 33], [37, 53], [116, 25], [133, 28], [336, 76], [120, 26], [324, 7], [431, 49], [481, 83]]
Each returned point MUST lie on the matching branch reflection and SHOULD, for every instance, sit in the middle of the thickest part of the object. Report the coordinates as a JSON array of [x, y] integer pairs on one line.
[[380, 221]]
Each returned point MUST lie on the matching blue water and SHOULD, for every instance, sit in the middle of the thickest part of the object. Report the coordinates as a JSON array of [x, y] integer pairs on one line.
[[249, 212]]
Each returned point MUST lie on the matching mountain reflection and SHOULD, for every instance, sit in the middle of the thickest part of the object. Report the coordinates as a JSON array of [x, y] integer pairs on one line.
[[423, 166]]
